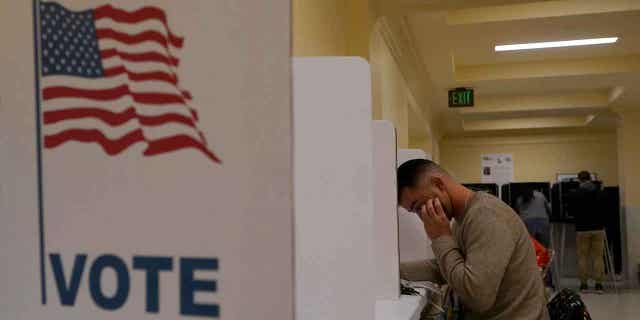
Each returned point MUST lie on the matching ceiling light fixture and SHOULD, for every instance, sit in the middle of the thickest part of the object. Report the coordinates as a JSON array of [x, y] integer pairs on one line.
[[555, 44]]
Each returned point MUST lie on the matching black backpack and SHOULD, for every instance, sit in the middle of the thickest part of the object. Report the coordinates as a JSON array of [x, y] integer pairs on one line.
[[567, 305]]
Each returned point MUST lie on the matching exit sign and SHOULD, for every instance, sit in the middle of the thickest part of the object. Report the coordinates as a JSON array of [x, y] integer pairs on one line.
[[461, 97]]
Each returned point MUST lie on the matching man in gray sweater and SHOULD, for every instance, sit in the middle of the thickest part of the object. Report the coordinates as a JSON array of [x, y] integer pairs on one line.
[[486, 257]]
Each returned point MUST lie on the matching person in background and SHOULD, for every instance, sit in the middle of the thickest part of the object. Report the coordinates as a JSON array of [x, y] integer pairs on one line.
[[585, 207], [486, 256], [534, 210]]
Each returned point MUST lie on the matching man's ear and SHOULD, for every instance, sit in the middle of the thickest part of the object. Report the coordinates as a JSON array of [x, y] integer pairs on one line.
[[438, 182]]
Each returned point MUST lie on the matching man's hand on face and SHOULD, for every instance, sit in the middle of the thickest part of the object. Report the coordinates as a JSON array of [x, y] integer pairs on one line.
[[435, 221]]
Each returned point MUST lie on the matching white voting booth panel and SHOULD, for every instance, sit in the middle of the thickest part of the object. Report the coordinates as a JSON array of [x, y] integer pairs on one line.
[[333, 189], [133, 228], [414, 243], [385, 238], [389, 304]]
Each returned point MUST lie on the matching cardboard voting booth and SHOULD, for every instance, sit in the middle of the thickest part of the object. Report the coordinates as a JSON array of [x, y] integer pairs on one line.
[[346, 231], [389, 303], [385, 238], [333, 189], [145, 167]]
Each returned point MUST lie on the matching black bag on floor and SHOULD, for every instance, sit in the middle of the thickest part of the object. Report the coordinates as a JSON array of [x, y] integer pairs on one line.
[[567, 305]]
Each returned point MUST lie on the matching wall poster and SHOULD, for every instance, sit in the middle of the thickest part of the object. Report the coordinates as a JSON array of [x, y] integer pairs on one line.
[[497, 168]]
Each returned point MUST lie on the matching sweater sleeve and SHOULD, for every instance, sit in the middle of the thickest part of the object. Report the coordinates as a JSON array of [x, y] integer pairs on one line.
[[424, 270], [475, 276]]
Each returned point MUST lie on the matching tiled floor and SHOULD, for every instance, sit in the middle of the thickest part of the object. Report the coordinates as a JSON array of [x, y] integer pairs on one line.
[[612, 306]]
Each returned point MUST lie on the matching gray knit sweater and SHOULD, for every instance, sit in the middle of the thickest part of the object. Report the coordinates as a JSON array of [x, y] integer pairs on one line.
[[489, 262]]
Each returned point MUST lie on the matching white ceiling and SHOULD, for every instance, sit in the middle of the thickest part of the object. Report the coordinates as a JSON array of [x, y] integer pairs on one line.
[[473, 43], [455, 40]]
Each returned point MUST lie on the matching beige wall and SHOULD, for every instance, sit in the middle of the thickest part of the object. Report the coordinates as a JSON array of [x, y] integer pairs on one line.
[[536, 157], [421, 132], [332, 27], [342, 28], [429, 144], [393, 100], [390, 92], [348, 28]]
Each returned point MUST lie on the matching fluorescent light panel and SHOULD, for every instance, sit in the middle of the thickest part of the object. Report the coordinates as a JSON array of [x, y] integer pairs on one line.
[[555, 44]]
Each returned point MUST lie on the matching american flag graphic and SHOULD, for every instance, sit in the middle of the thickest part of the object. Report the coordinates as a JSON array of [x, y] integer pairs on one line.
[[109, 77]]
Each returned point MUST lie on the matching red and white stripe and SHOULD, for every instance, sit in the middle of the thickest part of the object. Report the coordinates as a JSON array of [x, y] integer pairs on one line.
[[139, 99]]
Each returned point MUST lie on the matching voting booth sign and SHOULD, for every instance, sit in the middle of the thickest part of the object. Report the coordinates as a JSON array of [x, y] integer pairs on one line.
[[145, 168]]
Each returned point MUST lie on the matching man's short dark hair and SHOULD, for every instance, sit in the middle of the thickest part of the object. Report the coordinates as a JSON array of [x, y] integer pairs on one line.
[[584, 176], [410, 172]]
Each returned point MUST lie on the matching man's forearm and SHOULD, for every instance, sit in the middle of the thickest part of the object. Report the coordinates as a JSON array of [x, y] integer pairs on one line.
[[473, 291], [475, 276], [424, 270]]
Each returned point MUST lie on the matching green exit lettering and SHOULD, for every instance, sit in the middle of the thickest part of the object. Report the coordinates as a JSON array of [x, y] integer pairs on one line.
[[461, 98]]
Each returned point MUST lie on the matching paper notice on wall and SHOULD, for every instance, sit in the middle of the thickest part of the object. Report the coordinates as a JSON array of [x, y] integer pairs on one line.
[[497, 168]]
